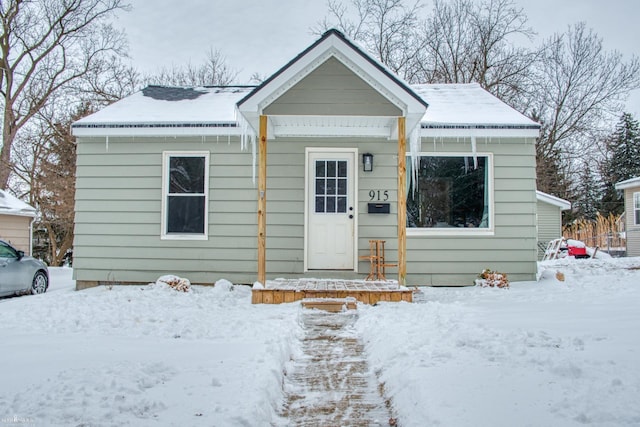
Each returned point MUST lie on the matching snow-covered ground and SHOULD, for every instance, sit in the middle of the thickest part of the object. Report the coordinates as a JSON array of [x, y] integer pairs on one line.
[[550, 353], [537, 354]]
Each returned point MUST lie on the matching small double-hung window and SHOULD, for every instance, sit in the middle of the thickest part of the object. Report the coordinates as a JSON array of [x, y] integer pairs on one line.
[[185, 195], [636, 208]]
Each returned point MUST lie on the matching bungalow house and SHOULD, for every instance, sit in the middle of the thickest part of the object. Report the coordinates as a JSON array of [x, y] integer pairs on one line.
[[294, 177], [631, 188], [549, 220], [16, 218]]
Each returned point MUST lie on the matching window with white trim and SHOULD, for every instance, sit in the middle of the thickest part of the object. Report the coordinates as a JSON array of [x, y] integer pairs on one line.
[[449, 193], [185, 195], [636, 208]]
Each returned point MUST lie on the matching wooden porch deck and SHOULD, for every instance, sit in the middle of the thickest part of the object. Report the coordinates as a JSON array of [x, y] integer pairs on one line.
[[367, 292]]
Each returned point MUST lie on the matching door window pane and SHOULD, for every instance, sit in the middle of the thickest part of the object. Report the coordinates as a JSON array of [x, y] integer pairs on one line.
[[331, 204], [342, 168], [342, 204], [331, 168], [342, 187], [331, 186]]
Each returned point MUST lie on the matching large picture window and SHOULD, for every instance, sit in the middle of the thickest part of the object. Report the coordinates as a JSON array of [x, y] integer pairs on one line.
[[185, 185], [449, 192], [636, 208]]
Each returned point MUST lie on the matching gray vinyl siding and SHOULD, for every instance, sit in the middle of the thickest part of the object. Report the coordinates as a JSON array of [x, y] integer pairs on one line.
[[332, 89], [633, 231], [119, 196], [15, 230], [457, 260], [549, 224], [285, 203], [118, 213]]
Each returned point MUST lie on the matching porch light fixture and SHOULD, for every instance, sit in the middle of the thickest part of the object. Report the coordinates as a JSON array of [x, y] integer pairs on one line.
[[367, 162]]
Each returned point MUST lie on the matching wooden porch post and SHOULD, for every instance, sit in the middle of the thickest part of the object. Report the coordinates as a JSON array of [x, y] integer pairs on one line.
[[262, 200], [402, 201]]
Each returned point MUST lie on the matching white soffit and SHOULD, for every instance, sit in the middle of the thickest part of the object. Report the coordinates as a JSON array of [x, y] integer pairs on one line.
[[337, 126]]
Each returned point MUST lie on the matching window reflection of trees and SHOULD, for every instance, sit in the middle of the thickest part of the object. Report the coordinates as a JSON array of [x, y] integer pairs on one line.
[[451, 192]]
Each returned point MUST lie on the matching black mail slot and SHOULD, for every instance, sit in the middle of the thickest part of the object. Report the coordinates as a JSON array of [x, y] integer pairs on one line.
[[379, 208]]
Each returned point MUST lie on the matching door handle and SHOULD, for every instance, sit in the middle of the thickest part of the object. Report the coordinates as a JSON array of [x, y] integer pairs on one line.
[[350, 216]]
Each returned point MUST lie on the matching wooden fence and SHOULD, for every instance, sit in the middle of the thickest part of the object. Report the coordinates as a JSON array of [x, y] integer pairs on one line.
[[607, 233]]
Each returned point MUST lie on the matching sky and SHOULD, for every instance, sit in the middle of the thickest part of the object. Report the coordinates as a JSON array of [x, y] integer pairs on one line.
[[263, 35]]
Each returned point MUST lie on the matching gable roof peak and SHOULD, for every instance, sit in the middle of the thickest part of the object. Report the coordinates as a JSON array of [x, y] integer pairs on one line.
[[333, 43], [333, 31]]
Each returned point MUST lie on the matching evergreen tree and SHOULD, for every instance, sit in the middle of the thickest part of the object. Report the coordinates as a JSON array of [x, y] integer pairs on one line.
[[622, 162], [588, 196]]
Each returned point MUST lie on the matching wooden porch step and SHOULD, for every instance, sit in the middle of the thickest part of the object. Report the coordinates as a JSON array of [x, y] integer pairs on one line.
[[333, 305]]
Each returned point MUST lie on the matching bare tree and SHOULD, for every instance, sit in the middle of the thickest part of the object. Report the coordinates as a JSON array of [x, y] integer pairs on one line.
[[44, 46], [387, 28], [579, 89], [461, 41], [45, 165], [107, 83], [214, 71], [467, 41]]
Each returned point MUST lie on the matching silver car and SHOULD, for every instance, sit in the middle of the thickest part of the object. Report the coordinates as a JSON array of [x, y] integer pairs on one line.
[[20, 273]]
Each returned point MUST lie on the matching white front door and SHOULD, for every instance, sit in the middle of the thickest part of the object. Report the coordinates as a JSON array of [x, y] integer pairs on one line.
[[330, 209]]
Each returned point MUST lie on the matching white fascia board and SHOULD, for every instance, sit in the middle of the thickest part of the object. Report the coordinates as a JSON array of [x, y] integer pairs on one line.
[[9, 212], [553, 200], [483, 132], [156, 131], [629, 183]]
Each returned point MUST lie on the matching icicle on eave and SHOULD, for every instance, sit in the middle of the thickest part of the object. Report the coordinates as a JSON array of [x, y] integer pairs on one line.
[[415, 147], [247, 136], [474, 152]]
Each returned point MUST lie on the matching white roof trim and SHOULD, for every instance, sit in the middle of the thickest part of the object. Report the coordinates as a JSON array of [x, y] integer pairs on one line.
[[629, 183], [332, 45], [553, 200], [150, 130], [11, 205], [480, 132]]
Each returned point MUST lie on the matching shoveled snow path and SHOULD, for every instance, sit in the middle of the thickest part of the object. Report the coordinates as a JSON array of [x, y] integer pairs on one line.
[[328, 381]]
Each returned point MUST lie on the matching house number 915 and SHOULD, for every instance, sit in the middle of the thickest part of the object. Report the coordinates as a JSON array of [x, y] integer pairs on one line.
[[379, 195]]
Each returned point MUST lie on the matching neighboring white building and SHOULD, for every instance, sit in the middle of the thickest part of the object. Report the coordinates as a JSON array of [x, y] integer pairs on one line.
[[549, 210], [631, 188], [16, 218]]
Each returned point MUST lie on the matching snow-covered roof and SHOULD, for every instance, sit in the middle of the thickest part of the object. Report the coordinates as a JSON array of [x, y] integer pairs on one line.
[[553, 200], [468, 105], [11, 205], [629, 183], [160, 110], [167, 110]]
